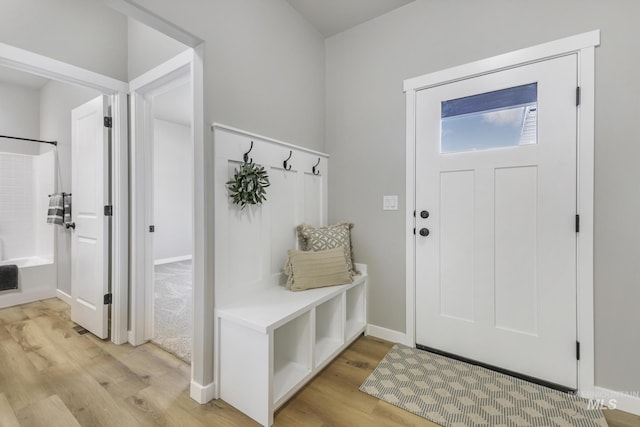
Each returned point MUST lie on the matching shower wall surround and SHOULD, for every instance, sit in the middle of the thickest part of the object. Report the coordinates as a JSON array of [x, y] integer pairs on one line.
[[25, 182]]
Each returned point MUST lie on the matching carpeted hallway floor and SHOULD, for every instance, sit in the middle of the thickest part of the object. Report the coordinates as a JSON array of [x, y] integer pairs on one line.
[[173, 302]]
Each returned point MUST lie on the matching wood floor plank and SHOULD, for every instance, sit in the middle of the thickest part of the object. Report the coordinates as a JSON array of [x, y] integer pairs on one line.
[[19, 379], [51, 375], [12, 314], [36, 344], [50, 412], [4, 333], [87, 400], [36, 309], [7, 416], [621, 419]]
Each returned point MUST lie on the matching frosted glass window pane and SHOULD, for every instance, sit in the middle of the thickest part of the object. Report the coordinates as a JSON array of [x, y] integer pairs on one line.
[[502, 118]]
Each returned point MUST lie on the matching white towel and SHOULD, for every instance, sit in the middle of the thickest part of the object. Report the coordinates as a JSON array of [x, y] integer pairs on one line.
[[55, 214]]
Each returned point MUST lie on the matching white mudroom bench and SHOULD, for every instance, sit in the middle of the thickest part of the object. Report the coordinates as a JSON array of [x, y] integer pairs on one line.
[[271, 342]]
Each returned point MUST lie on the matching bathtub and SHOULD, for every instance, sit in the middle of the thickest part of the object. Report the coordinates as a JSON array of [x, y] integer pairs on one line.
[[36, 281]]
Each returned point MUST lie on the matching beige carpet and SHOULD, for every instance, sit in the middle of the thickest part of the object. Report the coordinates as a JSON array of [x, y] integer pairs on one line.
[[457, 394], [173, 302]]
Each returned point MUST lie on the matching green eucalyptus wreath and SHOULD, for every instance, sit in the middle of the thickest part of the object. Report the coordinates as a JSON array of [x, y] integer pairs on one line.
[[248, 185]]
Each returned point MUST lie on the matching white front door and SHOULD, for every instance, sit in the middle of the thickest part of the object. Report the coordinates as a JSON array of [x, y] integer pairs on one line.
[[496, 219], [90, 242]]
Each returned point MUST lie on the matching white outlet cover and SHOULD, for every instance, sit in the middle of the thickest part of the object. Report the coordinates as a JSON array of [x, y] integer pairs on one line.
[[390, 203]]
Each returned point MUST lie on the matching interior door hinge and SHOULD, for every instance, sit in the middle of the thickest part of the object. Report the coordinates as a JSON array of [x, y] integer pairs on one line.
[[108, 122], [577, 350], [577, 96], [108, 210], [577, 223], [108, 299], [414, 230]]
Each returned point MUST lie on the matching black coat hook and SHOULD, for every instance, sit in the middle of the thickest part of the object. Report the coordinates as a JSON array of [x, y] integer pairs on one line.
[[315, 169], [245, 157], [286, 164]]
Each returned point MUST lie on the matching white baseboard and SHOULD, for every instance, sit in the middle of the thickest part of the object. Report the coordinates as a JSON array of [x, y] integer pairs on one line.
[[386, 334], [623, 401], [63, 296], [202, 394], [11, 298], [173, 259]]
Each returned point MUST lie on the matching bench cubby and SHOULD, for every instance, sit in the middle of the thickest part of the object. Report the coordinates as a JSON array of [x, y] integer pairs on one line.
[[272, 342]]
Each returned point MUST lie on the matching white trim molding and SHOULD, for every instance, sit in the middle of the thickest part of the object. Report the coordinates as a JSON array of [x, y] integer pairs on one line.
[[50, 68], [386, 334], [202, 394], [63, 296], [215, 126], [583, 46]]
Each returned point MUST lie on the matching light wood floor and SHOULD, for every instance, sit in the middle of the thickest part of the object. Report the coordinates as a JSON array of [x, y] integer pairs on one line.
[[51, 376]]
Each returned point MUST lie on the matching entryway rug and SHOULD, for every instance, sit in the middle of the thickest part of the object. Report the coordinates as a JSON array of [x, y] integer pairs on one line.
[[457, 394]]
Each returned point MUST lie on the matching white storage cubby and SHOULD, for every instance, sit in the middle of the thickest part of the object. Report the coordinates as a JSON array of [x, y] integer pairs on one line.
[[272, 342], [291, 354], [329, 329], [356, 317]]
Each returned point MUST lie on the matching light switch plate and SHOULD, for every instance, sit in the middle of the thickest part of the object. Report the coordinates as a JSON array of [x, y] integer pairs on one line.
[[390, 203]]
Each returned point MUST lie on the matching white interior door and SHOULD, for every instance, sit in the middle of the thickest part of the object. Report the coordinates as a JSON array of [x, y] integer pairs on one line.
[[496, 172], [90, 242]]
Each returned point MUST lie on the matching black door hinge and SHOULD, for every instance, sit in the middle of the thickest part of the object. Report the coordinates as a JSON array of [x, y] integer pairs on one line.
[[577, 350], [108, 299], [108, 210], [577, 223], [577, 96], [414, 230], [108, 122], [152, 229]]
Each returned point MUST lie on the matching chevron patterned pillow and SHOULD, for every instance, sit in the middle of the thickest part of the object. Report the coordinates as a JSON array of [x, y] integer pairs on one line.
[[333, 236]]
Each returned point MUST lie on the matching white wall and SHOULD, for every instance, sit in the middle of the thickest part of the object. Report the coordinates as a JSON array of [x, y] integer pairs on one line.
[[84, 33], [56, 102], [19, 116], [173, 190], [366, 126], [264, 65], [148, 48]]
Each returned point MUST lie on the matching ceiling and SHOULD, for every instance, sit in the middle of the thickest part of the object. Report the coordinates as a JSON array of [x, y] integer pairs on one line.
[[334, 16], [11, 76]]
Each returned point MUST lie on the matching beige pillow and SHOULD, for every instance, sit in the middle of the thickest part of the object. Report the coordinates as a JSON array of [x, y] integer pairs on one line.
[[308, 270], [333, 236]]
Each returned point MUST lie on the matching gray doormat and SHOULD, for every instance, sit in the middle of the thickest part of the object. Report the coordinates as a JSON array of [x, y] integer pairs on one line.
[[457, 394]]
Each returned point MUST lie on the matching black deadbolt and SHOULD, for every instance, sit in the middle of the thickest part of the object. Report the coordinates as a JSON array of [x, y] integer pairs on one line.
[[424, 214], [424, 232]]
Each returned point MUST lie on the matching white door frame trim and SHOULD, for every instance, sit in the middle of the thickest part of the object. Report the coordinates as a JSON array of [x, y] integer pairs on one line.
[[583, 45], [151, 83], [117, 90], [187, 64]]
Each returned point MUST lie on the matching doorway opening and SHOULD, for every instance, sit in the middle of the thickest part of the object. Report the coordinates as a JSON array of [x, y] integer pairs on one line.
[[171, 151]]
